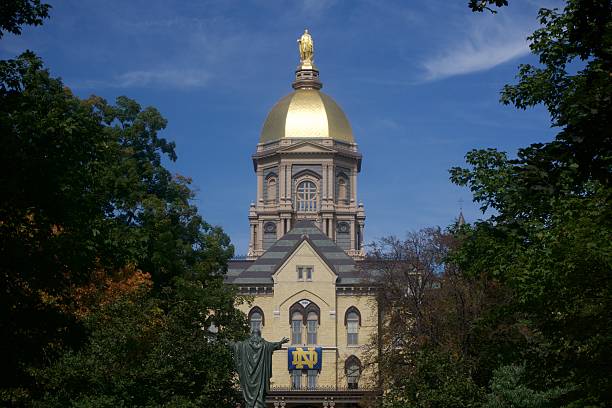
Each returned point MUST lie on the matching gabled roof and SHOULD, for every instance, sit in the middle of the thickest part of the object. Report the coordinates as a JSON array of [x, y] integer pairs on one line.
[[261, 270]]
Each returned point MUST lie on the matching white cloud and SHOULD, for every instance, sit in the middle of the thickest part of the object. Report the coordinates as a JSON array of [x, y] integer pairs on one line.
[[490, 41], [180, 79], [164, 78]]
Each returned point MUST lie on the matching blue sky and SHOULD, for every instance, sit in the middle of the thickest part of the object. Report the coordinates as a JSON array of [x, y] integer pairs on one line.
[[419, 81]]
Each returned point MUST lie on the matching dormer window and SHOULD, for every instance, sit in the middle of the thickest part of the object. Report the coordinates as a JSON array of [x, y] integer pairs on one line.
[[304, 273]]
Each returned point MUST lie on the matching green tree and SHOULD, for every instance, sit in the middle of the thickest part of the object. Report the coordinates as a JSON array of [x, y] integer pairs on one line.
[[424, 348], [508, 389], [549, 238], [435, 380], [85, 192], [15, 13], [148, 351], [482, 5]]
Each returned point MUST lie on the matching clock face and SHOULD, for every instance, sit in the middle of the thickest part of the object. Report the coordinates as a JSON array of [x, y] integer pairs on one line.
[[343, 227], [269, 227]]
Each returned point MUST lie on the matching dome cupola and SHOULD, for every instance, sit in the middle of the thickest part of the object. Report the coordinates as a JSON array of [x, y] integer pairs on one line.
[[306, 113]]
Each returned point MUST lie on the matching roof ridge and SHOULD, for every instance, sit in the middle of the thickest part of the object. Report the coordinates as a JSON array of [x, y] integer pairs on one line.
[[274, 257]]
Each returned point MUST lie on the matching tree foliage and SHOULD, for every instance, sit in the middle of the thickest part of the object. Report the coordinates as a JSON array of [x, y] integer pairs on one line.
[[15, 13], [482, 5], [423, 350], [522, 316], [147, 351], [86, 194], [509, 389], [549, 239]]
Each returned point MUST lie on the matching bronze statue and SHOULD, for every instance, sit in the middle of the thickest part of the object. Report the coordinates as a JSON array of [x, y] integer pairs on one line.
[[253, 361], [306, 47]]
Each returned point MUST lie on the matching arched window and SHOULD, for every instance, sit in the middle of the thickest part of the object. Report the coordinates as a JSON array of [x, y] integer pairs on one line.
[[343, 235], [269, 234], [256, 319], [352, 369], [297, 320], [312, 325], [307, 196], [342, 190], [352, 320], [271, 189], [304, 313]]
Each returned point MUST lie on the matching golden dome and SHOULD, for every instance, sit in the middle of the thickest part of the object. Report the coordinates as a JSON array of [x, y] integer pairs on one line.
[[306, 113]]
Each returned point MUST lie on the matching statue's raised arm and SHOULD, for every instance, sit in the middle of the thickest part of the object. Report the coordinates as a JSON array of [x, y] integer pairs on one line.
[[283, 341], [253, 361]]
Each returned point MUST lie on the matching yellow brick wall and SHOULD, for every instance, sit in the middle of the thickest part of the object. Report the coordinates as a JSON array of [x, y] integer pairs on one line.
[[331, 335]]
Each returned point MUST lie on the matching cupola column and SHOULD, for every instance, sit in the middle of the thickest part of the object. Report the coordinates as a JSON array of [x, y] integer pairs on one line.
[[259, 187]]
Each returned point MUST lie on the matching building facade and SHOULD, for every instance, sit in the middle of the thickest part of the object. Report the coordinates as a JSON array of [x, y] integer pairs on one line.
[[306, 241]]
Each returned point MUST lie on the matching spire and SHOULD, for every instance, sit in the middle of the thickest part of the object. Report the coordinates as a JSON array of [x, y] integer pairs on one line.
[[460, 220], [307, 74]]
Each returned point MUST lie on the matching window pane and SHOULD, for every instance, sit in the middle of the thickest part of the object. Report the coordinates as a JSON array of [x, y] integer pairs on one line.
[[307, 196], [352, 328], [309, 273], [312, 379], [296, 379], [300, 274], [296, 331], [312, 331], [256, 320], [352, 376], [255, 325]]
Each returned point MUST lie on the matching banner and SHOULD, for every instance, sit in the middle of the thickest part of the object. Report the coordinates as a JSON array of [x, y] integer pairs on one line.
[[305, 358]]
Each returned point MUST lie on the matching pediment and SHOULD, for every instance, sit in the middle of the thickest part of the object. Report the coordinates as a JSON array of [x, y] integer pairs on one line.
[[306, 147], [307, 254]]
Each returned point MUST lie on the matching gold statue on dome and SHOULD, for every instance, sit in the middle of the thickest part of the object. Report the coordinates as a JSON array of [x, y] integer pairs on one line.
[[306, 47]]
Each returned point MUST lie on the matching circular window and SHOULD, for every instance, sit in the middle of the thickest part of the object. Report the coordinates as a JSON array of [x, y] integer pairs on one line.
[[270, 227], [343, 227]]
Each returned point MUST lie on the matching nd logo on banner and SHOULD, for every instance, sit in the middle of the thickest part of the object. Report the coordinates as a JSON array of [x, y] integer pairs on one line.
[[304, 358]]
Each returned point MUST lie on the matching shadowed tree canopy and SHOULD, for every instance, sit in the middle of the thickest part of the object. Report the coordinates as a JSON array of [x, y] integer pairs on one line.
[[549, 239], [482, 5], [86, 195], [15, 13]]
